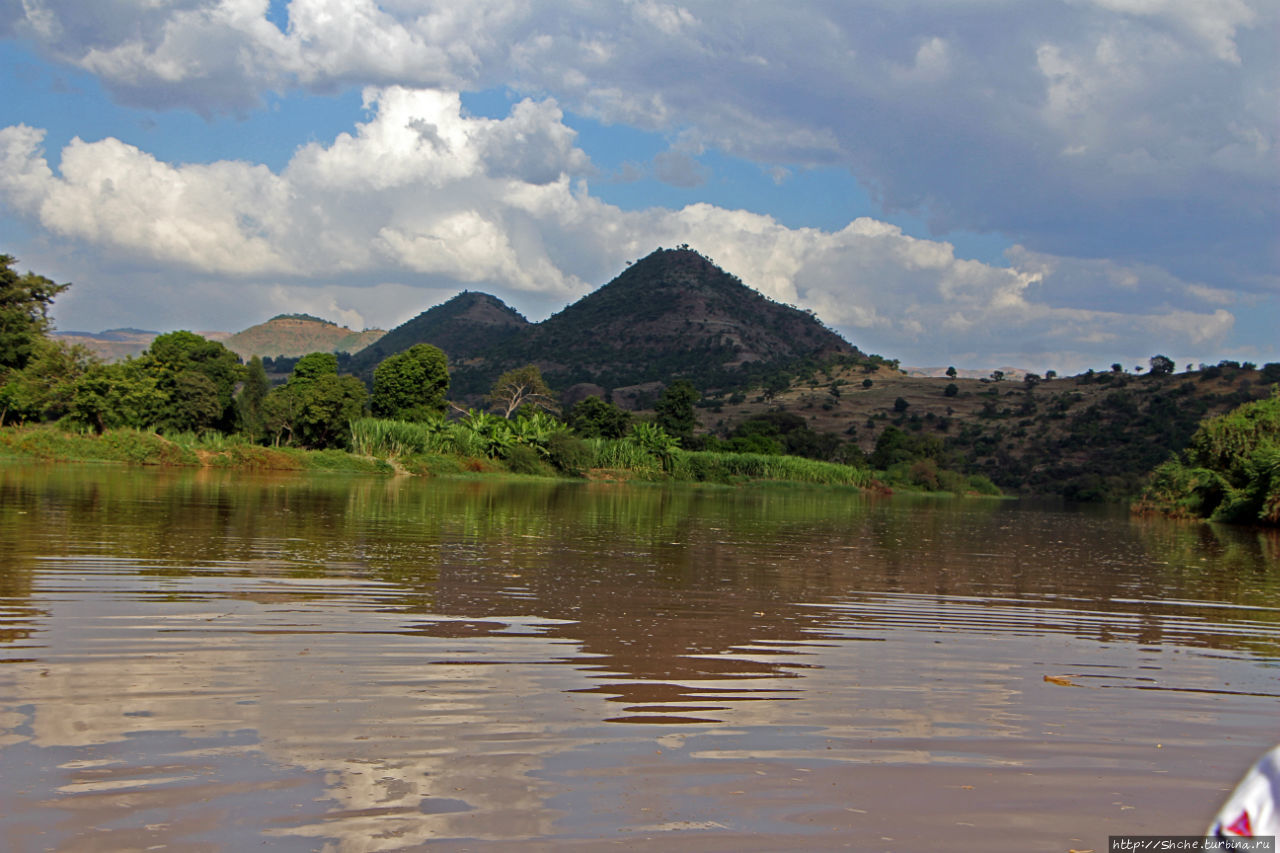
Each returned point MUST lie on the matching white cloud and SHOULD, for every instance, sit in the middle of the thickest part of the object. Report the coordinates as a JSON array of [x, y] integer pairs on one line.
[[388, 219], [1162, 113]]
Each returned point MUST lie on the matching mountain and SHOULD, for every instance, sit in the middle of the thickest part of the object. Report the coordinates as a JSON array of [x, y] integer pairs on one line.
[[293, 335], [465, 327], [119, 344], [673, 314]]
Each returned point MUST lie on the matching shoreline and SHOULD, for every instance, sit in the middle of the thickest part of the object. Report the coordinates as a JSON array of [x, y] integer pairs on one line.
[[49, 444]]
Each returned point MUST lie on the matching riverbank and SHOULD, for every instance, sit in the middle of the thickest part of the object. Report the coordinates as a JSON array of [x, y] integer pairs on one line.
[[607, 461]]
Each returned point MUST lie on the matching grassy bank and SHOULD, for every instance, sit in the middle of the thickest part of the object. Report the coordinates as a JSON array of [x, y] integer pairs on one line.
[[435, 450], [137, 447]]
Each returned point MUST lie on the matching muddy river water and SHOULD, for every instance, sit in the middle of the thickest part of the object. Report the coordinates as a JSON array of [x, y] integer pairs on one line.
[[222, 661]]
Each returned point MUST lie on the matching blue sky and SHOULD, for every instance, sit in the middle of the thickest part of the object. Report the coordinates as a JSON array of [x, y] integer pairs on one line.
[[1057, 185]]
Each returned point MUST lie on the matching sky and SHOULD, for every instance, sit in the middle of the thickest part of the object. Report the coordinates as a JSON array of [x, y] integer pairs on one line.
[[1057, 185]]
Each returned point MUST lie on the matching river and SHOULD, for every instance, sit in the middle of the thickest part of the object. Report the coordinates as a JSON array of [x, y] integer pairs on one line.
[[225, 661]]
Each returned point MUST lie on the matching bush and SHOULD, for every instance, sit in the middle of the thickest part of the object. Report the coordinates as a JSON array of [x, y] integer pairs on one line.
[[523, 459], [569, 454]]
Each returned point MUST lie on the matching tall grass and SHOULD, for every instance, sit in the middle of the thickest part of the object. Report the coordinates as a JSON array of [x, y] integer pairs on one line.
[[719, 467], [624, 455]]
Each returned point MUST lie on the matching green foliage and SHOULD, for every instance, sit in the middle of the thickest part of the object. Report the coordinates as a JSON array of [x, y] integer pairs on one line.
[[893, 446], [250, 418], [951, 390], [411, 385], [674, 409], [653, 439], [779, 433], [570, 454], [197, 378], [45, 389], [1161, 365], [316, 407], [24, 314], [110, 396], [1230, 470], [594, 418], [900, 404], [523, 459], [705, 466], [523, 386]]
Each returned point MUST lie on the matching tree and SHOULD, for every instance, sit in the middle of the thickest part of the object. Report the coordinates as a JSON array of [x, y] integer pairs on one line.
[[124, 394], [674, 409], [951, 373], [176, 360], [250, 400], [316, 406], [775, 384], [24, 313], [951, 390], [594, 418], [997, 375], [45, 388], [900, 404], [411, 385], [1050, 375], [520, 387], [1161, 365], [1115, 367]]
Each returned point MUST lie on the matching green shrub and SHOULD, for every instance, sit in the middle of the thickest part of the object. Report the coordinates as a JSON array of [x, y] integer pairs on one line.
[[569, 454], [523, 459]]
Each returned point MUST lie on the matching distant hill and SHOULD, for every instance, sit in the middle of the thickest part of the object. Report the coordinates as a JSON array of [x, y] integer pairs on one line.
[[465, 327], [1089, 437], [1010, 373], [119, 344], [294, 335], [673, 314]]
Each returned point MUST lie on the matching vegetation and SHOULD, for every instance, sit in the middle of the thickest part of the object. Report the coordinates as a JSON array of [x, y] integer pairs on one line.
[[594, 418], [315, 407], [24, 314], [774, 396], [523, 386], [1230, 470], [411, 385]]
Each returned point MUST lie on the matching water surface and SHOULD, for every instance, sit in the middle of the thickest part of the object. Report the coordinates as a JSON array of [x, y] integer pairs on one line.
[[221, 661]]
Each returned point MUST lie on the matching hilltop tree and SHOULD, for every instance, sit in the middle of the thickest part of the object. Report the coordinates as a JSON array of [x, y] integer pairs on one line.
[[24, 313], [523, 386], [411, 385], [951, 372], [1161, 365]]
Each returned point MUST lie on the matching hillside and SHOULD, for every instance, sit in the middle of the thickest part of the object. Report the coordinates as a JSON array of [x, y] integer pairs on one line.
[[465, 327], [294, 335], [673, 314], [119, 344], [1091, 437]]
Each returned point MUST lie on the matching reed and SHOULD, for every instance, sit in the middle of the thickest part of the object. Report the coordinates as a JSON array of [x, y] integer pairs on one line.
[[722, 467]]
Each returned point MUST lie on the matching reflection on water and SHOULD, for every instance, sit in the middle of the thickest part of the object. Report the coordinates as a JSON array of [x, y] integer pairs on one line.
[[208, 660]]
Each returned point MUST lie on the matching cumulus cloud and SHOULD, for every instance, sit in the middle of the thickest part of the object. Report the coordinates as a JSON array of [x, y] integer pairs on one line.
[[382, 222], [1142, 130]]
